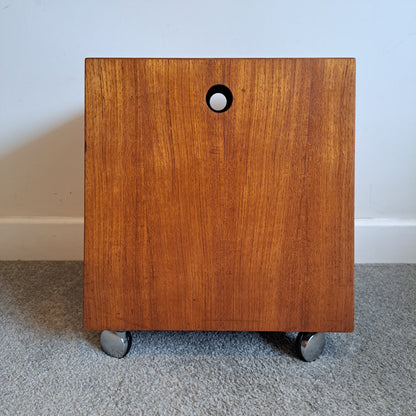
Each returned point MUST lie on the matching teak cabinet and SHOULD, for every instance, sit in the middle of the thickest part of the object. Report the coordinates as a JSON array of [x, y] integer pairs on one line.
[[236, 220]]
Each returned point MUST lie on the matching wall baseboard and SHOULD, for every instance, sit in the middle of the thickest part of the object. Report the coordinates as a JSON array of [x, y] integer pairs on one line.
[[41, 238], [378, 240], [385, 240]]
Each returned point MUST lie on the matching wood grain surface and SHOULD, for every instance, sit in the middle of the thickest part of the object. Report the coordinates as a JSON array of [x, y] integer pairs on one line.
[[241, 220]]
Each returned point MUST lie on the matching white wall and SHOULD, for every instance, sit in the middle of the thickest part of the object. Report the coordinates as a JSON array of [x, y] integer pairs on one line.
[[43, 44]]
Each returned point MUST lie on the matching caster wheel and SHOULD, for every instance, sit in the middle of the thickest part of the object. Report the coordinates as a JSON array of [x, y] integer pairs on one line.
[[116, 343], [309, 345]]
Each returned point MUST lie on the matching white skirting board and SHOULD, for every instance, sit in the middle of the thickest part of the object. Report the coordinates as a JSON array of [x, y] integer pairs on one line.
[[41, 238], [385, 240], [377, 240]]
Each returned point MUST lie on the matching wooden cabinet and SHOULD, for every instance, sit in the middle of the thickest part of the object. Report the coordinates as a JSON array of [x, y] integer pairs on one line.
[[239, 220]]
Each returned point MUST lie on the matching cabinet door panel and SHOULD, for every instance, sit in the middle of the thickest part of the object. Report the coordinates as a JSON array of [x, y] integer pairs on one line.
[[234, 220]]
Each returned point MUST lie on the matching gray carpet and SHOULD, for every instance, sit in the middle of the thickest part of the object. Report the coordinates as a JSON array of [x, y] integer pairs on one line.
[[50, 366]]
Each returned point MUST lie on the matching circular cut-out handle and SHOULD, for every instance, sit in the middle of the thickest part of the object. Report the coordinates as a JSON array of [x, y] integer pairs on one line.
[[219, 98]]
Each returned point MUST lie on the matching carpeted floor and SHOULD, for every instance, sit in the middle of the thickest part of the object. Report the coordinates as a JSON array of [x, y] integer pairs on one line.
[[50, 366]]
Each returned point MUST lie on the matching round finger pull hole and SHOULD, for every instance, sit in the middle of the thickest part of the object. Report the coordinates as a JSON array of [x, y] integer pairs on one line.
[[219, 98]]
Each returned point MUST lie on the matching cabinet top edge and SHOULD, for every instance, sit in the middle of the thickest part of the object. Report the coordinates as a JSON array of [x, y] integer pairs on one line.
[[217, 59]]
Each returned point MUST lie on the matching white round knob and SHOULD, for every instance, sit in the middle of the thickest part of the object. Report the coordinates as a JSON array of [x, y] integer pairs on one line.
[[218, 101]]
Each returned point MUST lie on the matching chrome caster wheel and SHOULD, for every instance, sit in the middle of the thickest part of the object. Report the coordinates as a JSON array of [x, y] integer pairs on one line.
[[116, 343], [309, 345]]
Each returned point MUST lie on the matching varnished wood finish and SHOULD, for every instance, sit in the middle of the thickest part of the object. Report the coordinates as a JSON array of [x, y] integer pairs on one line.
[[242, 220]]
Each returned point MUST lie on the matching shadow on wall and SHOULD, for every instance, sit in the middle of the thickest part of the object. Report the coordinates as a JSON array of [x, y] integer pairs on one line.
[[45, 176]]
